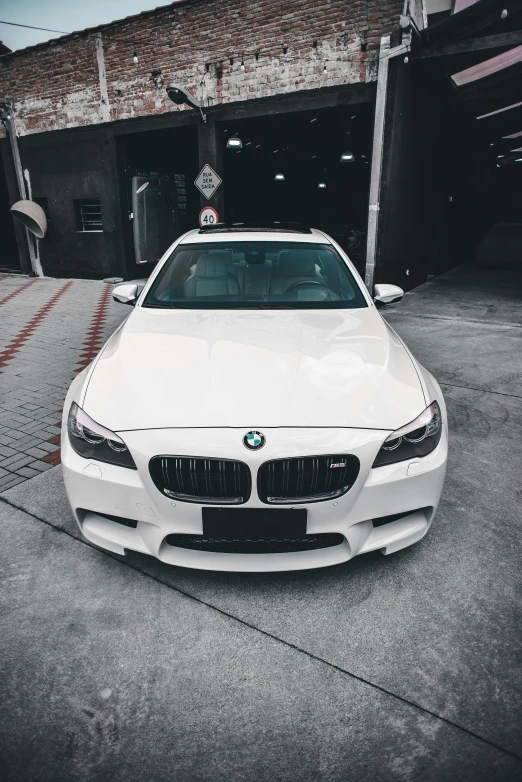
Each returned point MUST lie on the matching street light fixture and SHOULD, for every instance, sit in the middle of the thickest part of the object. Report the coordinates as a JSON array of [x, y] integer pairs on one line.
[[179, 95]]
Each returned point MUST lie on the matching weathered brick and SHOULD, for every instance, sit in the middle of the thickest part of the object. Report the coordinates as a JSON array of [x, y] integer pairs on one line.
[[57, 83]]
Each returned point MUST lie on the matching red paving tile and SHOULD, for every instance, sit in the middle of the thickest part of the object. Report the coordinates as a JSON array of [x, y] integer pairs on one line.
[[92, 343], [52, 458], [17, 291], [15, 345], [89, 350], [93, 338]]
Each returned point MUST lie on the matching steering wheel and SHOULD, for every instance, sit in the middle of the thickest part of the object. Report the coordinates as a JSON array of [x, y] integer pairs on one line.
[[305, 284], [309, 285]]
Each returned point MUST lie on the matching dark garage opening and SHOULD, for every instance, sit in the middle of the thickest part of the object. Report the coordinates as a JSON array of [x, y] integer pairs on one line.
[[485, 187], [469, 120], [9, 259], [305, 148], [159, 201]]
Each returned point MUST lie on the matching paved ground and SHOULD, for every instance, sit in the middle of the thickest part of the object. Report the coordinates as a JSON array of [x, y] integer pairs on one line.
[[49, 330], [386, 668]]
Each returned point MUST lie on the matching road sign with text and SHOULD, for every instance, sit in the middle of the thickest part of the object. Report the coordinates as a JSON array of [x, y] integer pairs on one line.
[[207, 181]]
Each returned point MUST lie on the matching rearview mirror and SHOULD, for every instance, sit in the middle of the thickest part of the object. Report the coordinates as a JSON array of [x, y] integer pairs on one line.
[[126, 294], [385, 294]]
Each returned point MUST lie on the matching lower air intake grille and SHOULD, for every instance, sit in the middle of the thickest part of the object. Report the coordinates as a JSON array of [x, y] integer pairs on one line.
[[306, 479], [256, 546], [216, 481]]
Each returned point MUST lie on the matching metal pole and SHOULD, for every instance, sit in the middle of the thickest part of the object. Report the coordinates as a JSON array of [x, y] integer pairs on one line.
[[385, 53], [375, 177], [13, 140]]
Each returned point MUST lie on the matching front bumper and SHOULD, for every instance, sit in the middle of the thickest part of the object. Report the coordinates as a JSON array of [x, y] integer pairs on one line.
[[411, 488]]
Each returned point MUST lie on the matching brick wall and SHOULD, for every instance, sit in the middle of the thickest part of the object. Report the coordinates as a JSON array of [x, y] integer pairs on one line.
[[199, 44]]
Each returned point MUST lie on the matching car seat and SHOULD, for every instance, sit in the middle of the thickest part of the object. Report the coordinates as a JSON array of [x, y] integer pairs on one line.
[[295, 266], [211, 278]]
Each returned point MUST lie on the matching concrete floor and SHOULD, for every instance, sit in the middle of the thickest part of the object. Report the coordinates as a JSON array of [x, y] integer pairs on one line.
[[385, 668]]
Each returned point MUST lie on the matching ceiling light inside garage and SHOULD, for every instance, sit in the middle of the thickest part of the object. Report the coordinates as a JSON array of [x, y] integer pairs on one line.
[[279, 177], [347, 157], [234, 143], [321, 185], [514, 135]]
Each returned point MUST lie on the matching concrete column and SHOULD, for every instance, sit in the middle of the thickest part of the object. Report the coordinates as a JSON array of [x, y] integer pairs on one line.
[[210, 144], [14, 195]]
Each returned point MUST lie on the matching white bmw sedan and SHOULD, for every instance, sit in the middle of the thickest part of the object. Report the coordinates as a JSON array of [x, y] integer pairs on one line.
[[254, 412]]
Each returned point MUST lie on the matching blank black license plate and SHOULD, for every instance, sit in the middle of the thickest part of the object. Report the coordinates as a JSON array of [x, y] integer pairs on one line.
[[244, 523]]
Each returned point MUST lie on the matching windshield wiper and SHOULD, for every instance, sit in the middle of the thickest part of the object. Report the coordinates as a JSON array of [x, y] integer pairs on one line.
[[169, 306]]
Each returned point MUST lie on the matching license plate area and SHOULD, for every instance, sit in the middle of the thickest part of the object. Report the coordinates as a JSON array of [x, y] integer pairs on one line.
[[254, 523]]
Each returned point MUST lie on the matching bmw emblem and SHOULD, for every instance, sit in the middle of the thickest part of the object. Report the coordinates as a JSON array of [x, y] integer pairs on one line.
[[254, 440]]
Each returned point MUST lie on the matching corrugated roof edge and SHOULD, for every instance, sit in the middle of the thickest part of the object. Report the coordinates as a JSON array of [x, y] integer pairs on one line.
[[90, 30]]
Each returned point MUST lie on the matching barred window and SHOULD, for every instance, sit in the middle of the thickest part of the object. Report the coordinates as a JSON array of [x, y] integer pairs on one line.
[[88, 215]]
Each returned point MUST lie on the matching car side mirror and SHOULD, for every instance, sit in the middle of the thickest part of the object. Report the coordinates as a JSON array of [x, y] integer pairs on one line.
[[126, 294], [385, 294]]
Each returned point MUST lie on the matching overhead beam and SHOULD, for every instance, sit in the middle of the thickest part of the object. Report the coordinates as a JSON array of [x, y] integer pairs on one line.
[[471, 20], [488, 67], [500, 111], [471, 45], [502, 86], [495, 126]]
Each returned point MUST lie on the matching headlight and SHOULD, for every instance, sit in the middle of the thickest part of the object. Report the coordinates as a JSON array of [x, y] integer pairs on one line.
[[93, 441], [418, 438]]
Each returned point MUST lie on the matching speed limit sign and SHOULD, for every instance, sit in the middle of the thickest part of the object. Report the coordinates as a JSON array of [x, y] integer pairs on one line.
[[208, 216]]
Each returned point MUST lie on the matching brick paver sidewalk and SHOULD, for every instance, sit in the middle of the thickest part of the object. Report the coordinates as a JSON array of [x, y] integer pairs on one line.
[[49, 331]]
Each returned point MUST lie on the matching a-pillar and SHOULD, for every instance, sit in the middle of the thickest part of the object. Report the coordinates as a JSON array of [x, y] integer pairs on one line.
[[211, 143]]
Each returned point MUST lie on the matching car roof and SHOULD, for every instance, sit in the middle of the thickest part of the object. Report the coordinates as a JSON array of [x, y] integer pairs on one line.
[[261, 234]]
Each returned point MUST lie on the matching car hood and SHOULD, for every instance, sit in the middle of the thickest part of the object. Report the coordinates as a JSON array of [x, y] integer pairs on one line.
[[254, 369]]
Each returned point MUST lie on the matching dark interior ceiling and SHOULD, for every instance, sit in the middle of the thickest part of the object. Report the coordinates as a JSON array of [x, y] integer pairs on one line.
[[306, 148], [476, 35], [483, 168]]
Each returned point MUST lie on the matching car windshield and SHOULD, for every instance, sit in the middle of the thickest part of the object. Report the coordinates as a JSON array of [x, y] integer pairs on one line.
[[255, 275]]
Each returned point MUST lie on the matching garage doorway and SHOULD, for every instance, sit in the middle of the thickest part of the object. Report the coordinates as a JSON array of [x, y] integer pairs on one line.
[[159, 202], [311, 167]]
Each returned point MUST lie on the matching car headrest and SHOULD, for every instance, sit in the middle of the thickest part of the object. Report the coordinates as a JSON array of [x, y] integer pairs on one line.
[[223, 255], [297, 262], [211, 266]]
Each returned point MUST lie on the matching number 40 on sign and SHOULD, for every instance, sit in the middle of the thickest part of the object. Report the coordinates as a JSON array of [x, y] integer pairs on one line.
[[208, 216]]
